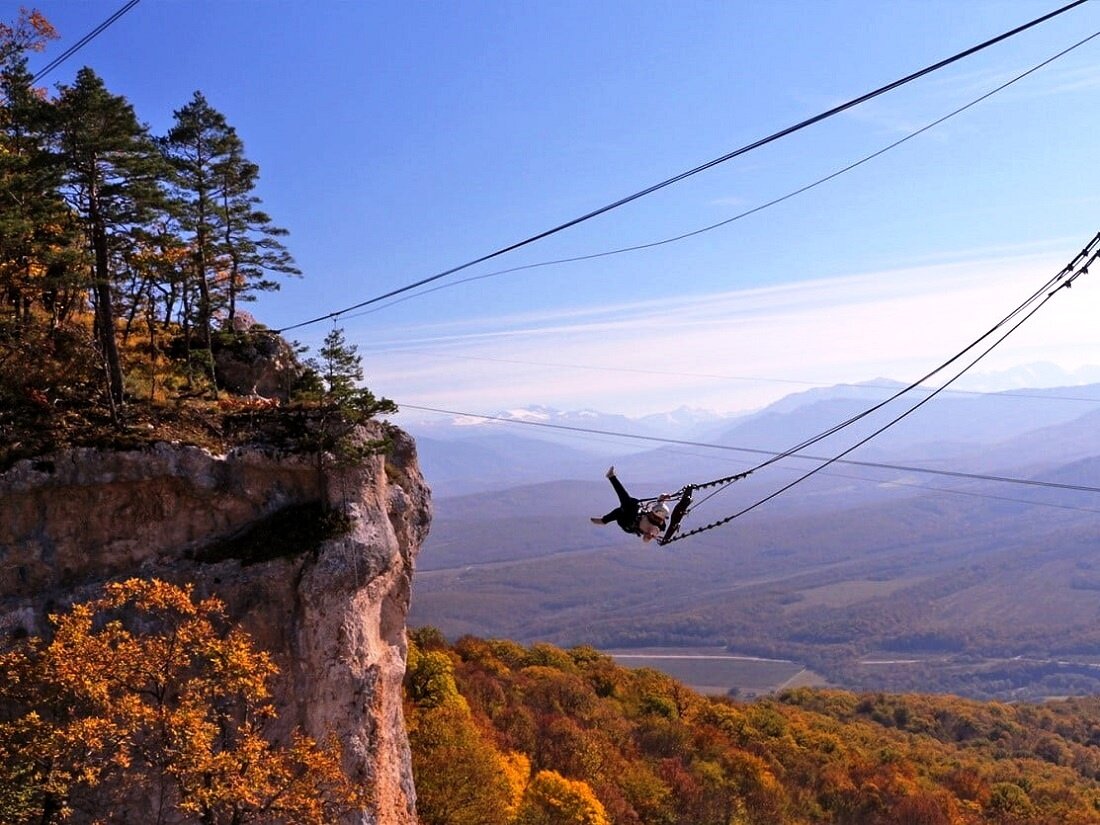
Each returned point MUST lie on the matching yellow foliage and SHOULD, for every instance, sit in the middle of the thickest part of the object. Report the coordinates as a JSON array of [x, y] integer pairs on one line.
[[517, 772], [551, 799], [461, 778], [429, 678], [177, 704], [652, 753]]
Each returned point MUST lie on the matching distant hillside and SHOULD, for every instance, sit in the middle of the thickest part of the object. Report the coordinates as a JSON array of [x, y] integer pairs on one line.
[[538, 444], [871, 577], [969, 430], [503, 734], [941, 428], [495, 461], [514, 524], [968, 581]]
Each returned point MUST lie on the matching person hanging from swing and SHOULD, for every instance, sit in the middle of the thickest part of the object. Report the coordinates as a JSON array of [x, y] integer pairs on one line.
[[647, 522]]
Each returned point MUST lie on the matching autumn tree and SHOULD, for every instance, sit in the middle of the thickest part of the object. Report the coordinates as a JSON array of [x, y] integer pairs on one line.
[[112, 173], [653, 753], [461, 778], [33, 219], [29, 32], [148, 704], [551, 799]]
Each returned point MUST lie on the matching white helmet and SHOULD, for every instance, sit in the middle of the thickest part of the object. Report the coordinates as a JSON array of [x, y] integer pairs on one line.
[[659, 510]]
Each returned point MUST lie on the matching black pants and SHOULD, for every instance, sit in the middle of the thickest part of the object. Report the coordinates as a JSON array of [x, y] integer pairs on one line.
[[626, 514]]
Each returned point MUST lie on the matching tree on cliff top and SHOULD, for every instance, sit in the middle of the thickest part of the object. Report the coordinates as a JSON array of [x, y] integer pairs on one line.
[[112, 173], [232, 243], [121, 254], [341, 402], [38, 241], [145, 704]]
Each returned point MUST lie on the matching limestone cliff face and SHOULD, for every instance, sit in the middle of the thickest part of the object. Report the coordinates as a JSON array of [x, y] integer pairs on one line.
[[332, 612]]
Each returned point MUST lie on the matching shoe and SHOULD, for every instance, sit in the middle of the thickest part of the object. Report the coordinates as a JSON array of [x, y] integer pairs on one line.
[[611, 471], [596, 520]]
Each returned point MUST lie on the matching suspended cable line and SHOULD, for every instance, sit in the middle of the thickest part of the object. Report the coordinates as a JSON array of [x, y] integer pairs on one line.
[[1063, 280], [968, 493], [1000, 331], [1084, 488], [954, 491], [740, 215], [1061, 276], [697, 169], [82, 42], [828, 462]]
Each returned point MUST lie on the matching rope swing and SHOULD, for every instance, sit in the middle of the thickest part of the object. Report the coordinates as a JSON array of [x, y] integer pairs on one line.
[[991, 339]]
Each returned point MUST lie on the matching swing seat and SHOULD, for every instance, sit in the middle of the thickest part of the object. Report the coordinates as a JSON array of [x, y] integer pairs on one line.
[[678, 513]]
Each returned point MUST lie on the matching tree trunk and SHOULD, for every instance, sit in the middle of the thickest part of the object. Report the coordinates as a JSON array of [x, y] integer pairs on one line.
[[51, 807], [105, 313], [205, 304]]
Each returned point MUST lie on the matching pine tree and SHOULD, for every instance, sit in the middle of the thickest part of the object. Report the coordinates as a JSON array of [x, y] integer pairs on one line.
[[341, 367], [112, 174], [251, 240], [345, 403], [233, 243], [33, 218], [199, 141], [342, 405]]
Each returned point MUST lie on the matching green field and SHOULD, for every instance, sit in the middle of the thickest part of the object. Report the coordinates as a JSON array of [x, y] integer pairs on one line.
[[715, 671]]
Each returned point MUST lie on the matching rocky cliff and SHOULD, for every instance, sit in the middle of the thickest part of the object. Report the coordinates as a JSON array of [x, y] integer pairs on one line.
[[248, 527]]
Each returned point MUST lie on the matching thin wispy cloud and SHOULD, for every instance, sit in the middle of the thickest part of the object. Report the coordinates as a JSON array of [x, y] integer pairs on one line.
[[730, 201], [895, 324], [941, 93]]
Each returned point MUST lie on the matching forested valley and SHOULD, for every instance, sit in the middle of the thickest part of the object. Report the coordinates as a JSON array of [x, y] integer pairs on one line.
[[503, 733]]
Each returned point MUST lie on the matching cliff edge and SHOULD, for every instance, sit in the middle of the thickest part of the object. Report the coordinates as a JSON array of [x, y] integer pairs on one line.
[[255, 528]]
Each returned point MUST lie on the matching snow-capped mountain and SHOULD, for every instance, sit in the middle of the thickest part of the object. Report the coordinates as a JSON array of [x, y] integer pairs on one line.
[[550, 423]]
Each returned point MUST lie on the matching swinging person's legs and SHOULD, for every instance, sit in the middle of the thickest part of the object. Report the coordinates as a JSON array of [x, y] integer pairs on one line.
[[626, 514], [625, 499], [610, 517]]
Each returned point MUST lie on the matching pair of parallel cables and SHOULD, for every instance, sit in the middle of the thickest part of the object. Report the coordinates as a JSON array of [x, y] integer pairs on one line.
[[972, 354], [336, 314], [991, 339]]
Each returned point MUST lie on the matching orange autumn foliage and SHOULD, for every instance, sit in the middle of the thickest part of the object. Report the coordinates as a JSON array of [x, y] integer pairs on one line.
[[551, 799], [649, 751], [146, 694]]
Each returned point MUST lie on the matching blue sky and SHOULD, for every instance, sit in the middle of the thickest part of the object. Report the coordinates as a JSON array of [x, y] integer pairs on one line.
[[396, 140]]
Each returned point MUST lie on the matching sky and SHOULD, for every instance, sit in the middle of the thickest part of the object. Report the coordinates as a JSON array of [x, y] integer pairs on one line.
[[397, 140]]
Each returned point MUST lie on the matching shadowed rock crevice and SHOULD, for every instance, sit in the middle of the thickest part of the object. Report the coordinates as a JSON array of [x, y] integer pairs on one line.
[[295, 530]]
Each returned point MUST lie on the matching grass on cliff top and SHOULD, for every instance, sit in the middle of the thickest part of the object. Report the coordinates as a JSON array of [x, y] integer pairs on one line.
[[28, 431], [52, 396]]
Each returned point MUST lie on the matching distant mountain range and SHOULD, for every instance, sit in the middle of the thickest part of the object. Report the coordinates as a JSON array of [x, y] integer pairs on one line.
[[1033, 375], [541, 422], [855, 561], [467, 454]]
